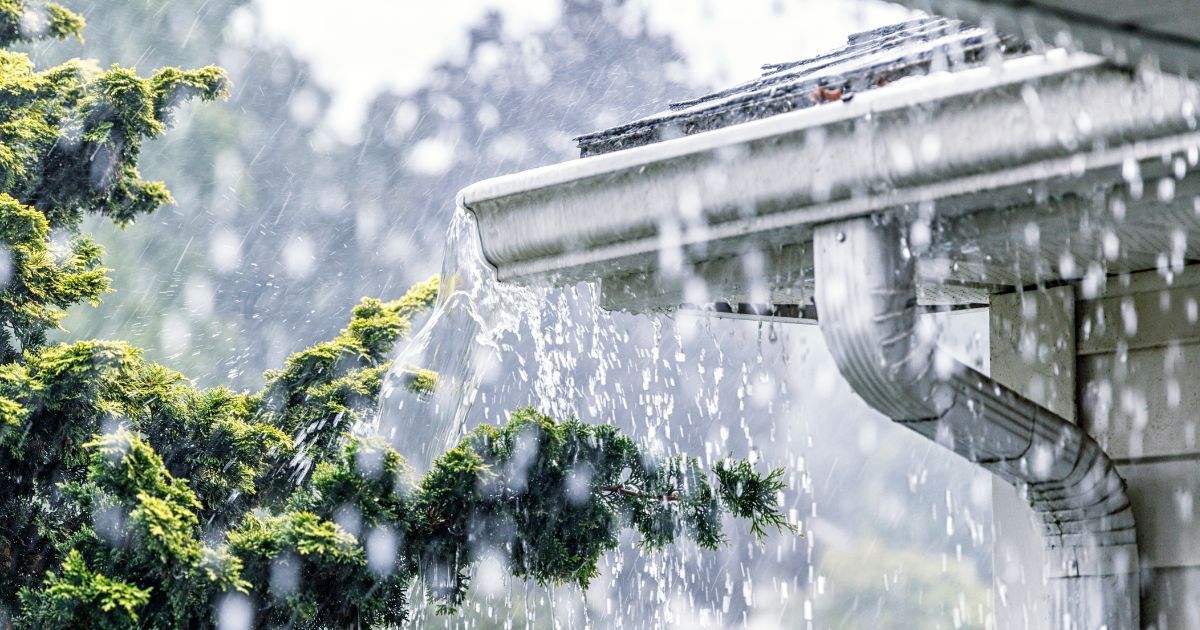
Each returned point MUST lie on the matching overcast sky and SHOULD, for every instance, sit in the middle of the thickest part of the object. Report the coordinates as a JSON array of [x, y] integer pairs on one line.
[[724, 40]]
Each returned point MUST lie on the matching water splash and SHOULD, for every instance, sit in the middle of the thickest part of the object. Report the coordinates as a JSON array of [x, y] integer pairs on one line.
[[676, 384], [473, 311]]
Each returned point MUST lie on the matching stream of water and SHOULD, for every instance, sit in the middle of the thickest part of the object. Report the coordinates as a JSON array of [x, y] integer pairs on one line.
[[473, 311], [676, 384]]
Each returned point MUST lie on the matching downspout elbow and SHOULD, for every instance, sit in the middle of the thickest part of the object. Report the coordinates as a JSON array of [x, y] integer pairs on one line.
[[866, 294]]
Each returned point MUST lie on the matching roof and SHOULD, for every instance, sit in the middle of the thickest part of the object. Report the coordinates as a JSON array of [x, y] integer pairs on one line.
[[1020, 167], [760, 186], [1122, 30], [869, 60]]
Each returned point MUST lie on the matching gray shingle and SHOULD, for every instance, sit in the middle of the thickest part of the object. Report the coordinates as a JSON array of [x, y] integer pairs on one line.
[[868, 60]]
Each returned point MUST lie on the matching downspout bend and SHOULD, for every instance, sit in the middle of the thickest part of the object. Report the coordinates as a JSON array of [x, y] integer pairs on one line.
[[866, 296]]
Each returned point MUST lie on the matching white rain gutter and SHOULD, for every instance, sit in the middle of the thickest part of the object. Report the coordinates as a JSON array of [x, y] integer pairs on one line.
[[976, 139], [1019, 133], [867, 294]]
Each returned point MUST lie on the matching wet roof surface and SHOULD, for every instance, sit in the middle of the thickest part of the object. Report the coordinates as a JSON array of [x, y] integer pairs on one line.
[[869, 60], [1122, 30]]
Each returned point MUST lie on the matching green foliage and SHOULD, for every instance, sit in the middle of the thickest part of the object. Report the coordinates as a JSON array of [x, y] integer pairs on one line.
[[70, 137], [41, 283], [132, 497], [750, 495], [419, 381], [63, 23], [81, 461], [549, 496], [316, 559], [324, 391], [126, 473], [22, 21], [77, 595], [128, 516]]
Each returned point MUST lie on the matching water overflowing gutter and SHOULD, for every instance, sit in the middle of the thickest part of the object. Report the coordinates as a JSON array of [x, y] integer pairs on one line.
[[849, 177]]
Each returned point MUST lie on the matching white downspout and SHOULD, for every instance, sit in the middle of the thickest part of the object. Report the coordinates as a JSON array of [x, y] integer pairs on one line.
[[866, 298]]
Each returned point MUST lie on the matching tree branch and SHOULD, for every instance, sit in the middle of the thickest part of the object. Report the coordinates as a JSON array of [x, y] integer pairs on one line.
[[635, 493]]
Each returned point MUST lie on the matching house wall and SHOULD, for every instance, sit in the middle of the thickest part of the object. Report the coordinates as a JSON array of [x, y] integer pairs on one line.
[[1032, 348], [1126, 365]]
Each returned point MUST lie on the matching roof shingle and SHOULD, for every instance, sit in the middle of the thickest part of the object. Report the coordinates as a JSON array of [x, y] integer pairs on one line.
[[869, 60]]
